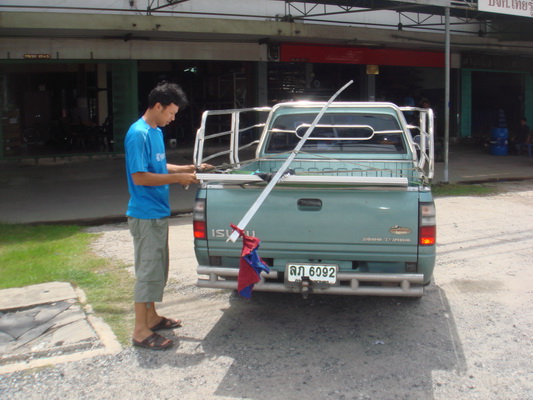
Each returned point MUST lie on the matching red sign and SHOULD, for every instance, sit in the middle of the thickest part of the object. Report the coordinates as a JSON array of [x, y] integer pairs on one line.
[[313, 53]]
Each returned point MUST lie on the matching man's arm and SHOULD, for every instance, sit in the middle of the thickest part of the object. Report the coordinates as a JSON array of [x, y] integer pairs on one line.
[[151, 179], [178, 169]]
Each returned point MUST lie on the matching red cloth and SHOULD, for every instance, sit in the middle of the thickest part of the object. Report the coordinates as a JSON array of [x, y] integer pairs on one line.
[[250, 264]]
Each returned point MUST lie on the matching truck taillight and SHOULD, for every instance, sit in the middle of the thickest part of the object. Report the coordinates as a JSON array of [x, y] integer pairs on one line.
[[199, 230], [198, 220], [428, 225]]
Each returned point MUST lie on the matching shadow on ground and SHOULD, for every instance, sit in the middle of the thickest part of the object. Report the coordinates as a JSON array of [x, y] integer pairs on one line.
[[286, 347]]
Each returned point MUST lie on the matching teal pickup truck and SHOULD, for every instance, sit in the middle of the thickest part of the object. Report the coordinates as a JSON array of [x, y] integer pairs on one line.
[[353, 214]]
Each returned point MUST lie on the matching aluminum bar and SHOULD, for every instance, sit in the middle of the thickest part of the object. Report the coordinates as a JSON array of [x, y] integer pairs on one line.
[[327, 180]]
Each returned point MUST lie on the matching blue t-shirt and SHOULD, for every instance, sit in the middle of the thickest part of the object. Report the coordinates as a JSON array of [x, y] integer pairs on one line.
[[145, 152]]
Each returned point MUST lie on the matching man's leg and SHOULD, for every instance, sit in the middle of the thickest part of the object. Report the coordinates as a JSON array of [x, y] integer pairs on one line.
[[150, 239], [152, 317], [145, 317], [142, 332]]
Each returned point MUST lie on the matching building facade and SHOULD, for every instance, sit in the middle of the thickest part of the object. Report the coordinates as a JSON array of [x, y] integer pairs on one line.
[[73, 78]]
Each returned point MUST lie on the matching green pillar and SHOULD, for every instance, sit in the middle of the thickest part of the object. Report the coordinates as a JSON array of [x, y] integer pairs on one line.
[[1, 140], [466, 104], [528, 99], [125, 100], [261, 73]]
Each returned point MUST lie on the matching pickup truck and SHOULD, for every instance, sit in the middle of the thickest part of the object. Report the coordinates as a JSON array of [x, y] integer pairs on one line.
[[353, 214]]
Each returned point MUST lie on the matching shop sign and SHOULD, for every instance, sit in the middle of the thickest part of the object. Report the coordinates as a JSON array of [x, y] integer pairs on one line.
[[316, 53], [37, 56], [499, 63], [522, 8]]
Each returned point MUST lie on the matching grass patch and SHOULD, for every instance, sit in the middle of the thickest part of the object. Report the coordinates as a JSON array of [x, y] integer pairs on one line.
[[31, 255], [456, 189]]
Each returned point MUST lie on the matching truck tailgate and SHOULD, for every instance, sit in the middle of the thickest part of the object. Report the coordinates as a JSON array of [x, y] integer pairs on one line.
[[367, 224]]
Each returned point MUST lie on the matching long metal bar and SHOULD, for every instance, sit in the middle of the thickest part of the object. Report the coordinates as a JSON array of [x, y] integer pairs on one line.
[[308, 179], [253, 209]]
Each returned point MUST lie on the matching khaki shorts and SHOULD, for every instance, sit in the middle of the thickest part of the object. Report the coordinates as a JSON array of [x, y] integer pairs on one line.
[[150, 243]]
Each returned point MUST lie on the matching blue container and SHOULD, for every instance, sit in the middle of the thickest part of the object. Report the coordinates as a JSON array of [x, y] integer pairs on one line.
[[499, 141]]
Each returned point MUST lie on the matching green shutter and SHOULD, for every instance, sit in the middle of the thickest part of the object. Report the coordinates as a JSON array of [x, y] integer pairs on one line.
[[466, 103], [528, 99], [125, 100]]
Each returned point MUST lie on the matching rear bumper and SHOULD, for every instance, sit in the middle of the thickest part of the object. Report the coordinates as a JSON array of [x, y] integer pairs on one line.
[[349, 283]]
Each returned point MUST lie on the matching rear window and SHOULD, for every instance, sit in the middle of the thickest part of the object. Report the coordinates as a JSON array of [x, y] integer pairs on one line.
[[337, 133]]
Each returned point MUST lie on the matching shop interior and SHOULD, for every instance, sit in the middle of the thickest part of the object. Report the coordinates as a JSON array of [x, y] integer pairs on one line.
[[57, 109], [496, 95]]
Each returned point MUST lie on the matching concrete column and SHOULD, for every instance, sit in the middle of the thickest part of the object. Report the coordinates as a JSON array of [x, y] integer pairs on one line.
[[528, 99], [466, 104], [371, 87], [101, 79], [262, 83]]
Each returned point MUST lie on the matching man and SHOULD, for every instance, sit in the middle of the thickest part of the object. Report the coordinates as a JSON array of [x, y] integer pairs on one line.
[[149, 177]]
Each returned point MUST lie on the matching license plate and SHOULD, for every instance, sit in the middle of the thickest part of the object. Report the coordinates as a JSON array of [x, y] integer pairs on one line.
[[315, 273]]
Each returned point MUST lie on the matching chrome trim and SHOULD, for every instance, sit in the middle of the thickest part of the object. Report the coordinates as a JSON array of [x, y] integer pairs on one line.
[[405, 283]]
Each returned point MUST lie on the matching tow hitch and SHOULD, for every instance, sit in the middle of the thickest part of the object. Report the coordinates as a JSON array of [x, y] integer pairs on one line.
[[306, 286]]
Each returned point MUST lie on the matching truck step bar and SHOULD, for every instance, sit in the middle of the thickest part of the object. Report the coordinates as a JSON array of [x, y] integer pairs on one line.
[[401, 284]]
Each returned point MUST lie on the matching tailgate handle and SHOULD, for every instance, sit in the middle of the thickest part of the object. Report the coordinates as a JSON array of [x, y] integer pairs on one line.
[[309, 204]]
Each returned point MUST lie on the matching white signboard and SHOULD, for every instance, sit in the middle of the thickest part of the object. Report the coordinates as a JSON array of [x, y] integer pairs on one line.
[[522, 8], [441, 3]]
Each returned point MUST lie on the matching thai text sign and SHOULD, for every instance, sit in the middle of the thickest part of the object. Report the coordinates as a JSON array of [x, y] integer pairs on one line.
[[514, 7]]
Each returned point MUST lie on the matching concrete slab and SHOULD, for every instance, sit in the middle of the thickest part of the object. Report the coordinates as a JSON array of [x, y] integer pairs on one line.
[[51, 327], [17, 298]]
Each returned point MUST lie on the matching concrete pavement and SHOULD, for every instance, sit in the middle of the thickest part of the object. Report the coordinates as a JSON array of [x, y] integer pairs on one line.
[[475, 165], [77, 189]]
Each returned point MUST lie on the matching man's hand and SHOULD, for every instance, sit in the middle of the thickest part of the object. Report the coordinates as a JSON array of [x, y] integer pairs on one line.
[[185, 179], [205, 167]]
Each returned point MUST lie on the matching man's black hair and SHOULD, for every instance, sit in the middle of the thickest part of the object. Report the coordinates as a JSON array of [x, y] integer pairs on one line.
[[167, 93]]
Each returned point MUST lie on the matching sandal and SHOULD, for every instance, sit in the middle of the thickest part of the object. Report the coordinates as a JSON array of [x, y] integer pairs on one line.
[[154, 342], [166, 323]]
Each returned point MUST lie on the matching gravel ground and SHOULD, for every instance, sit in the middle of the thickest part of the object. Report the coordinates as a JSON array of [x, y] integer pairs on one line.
[[469, 337]]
